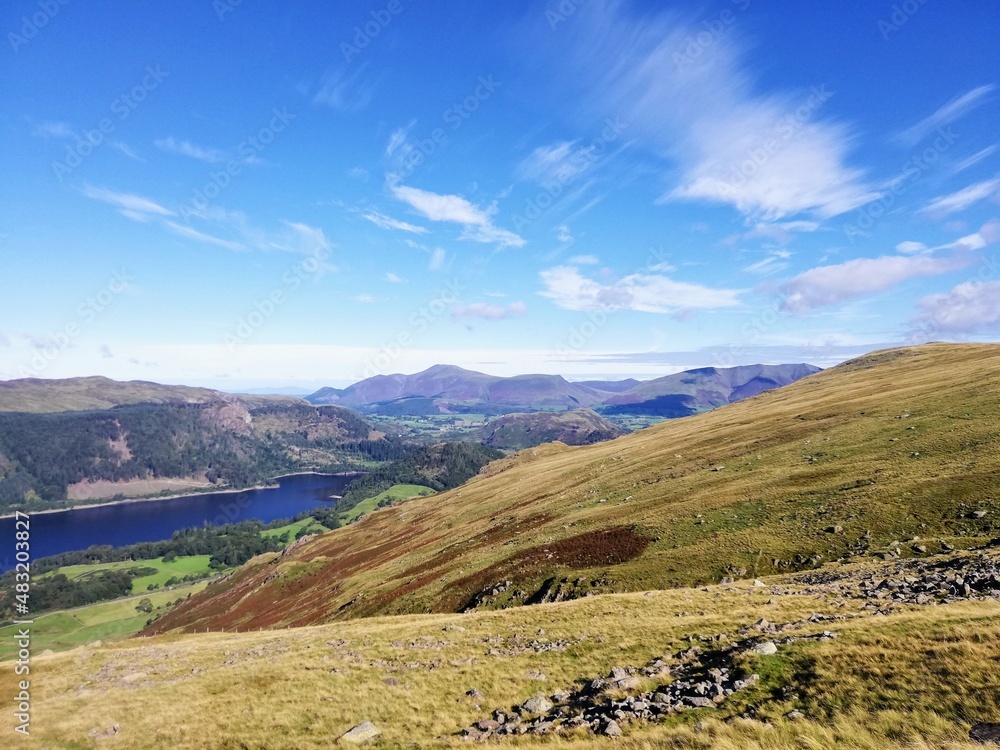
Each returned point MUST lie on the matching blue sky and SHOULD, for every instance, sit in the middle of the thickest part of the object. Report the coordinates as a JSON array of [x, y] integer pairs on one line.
[[252, 194]]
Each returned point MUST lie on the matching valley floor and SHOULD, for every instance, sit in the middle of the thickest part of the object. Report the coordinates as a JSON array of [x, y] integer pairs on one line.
[[864, 664]]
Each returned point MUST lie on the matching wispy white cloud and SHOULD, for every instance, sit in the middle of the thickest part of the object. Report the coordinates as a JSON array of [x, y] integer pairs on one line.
[[768, 154], [365, 299], [193, 234], [344, 90], [387, 222], [962, 199], [398, 138], [973, 160], [133, 206], [558, 162], [477, 222], [949, 113], [438, 257], [782, 232], [584, 260], [489, 311], [51, 129], [967, 308], [831, 285], [775, 262], [127, 150], [186, 148], [393, 278], [654, 293], [564, 235], [911, 248]]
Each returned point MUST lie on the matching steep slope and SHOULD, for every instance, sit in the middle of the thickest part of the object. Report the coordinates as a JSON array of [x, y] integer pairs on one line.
[[860, 458], [574, 427], [694, 391]]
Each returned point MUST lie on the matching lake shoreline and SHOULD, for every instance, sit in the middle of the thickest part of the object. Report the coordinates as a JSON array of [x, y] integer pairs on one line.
[[132, 500]]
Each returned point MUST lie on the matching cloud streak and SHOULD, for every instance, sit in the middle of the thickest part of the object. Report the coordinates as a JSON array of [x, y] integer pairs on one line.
[[569, 289], [768, 154], [477, 222], [949, 113]]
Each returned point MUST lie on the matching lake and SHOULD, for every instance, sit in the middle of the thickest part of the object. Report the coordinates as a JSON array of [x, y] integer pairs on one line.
[[127, 523]]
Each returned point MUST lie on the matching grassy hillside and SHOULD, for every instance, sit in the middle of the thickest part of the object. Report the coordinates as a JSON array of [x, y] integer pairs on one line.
[[909, 678], [573, 427], [82, 394], [859, 459]]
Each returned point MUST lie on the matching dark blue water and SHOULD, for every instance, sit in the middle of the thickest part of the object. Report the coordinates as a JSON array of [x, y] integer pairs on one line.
[[127, 523]]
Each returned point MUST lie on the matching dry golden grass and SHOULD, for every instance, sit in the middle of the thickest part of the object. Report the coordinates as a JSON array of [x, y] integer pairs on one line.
[[914, 679]]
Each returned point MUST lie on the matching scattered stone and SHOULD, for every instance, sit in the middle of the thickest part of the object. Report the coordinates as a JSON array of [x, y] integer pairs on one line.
[[979, 514], [360, 734], [767, 648], [97, 734], [985, 733], [795, 715], [612, 729], [759, 584], [834, 529], [537, 705], [534, 674]]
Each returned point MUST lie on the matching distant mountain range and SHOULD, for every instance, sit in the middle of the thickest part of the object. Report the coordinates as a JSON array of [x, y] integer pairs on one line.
[[446, 389]]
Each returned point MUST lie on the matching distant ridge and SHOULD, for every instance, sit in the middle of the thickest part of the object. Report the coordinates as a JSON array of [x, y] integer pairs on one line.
[[444, 389]]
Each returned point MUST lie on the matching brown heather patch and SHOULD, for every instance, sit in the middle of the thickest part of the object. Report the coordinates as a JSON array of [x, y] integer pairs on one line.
[[601, 547]]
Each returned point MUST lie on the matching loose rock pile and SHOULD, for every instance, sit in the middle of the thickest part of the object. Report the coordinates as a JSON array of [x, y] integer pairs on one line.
[[916, 581], [701, 679]]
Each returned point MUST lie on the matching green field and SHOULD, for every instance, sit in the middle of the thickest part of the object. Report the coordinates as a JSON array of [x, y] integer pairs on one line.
[[394, 494], [104, 621], [176, 568], [307, 523]]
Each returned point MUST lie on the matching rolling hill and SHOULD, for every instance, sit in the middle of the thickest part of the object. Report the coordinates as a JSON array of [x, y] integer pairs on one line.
[[79, 394], [573, 427], [895, 453]]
